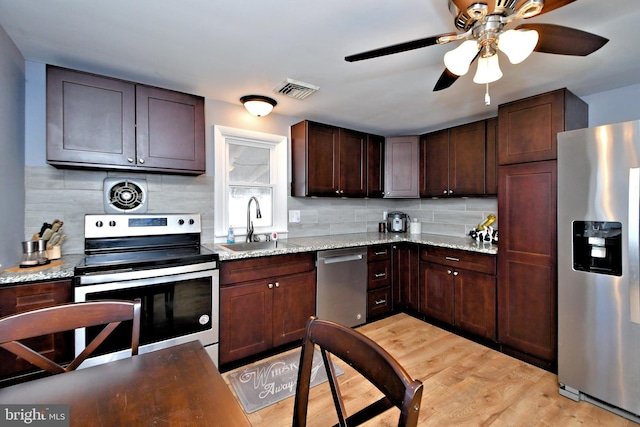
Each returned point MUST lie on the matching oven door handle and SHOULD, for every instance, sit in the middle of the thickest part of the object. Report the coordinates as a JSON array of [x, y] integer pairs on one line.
[[110, 277]]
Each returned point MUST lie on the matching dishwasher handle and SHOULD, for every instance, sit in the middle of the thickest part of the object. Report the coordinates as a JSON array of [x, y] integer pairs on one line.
[[341, 258]]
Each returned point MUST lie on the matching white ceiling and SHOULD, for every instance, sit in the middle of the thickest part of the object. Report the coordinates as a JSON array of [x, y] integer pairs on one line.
[[224, 49]]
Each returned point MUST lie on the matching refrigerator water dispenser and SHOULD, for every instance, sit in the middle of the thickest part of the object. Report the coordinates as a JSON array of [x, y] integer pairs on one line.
[[597, 247]]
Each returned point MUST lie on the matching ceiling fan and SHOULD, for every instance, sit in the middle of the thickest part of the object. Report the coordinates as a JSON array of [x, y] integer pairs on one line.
[[483, 24]]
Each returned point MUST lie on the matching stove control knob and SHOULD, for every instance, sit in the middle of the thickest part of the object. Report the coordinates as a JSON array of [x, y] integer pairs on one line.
[[99, 224], [204, 319], [112, 223], [181, 221], [191, 221]]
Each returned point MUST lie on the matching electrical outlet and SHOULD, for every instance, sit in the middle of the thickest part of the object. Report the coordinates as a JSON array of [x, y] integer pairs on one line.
[[294, 216]]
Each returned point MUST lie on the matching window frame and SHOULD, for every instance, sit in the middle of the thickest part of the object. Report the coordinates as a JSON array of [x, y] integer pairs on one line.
[[223, 136]]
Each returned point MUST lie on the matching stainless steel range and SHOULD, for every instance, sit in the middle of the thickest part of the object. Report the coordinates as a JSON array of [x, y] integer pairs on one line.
[[159, 259]]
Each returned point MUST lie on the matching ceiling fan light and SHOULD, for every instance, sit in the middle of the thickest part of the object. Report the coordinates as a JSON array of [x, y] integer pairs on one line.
[[459, 59], [518, 44], [258, 105], [488, 70]]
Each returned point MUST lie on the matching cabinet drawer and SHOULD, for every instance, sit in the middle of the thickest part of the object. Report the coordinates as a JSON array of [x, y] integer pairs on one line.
[[378, 274], [467, 260], [378, 253], [378, 302], [265, 267]]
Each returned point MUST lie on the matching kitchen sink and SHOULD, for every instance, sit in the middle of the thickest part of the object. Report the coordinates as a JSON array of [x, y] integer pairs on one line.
[[258, 246]]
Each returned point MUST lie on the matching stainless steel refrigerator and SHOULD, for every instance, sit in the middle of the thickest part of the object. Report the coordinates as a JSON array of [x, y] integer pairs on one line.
[[599, 266]]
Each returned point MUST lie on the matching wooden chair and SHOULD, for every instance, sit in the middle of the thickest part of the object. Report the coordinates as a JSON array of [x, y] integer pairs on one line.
[[366, 357], [66, 317]]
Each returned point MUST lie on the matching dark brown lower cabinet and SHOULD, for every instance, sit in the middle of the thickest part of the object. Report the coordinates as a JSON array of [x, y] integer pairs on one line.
[[453, 294], [264, 303], [527, 278], [25, 297], [379, 299], [406, 282]]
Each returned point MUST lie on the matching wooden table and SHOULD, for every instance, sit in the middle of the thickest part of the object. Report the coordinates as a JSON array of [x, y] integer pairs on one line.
[[177, 386]]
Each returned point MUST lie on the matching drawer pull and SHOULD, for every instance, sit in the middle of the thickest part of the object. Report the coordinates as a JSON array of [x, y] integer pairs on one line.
[[450, 258], [380, 301], [380, 253], [378, 275]]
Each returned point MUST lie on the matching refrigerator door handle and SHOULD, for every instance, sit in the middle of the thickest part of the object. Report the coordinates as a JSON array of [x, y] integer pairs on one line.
[[634, 243]]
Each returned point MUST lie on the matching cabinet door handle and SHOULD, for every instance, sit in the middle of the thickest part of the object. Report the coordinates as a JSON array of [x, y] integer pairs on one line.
[[450, 258], [377, 275], [450, 191], [130, 159], [449, 271], [270, 285], [141, 160], [445, 192], [455, 273], [380, 301], [277, 284]]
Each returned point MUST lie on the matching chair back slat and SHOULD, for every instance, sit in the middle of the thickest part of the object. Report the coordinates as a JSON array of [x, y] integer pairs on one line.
[[32, 357], [67, 317], [370, 360]]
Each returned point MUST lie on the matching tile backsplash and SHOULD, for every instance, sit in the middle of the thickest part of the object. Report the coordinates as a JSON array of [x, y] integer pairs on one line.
[[68, 195]]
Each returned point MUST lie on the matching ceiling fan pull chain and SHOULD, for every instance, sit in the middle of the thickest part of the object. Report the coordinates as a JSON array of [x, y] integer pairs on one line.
[[487, 98]]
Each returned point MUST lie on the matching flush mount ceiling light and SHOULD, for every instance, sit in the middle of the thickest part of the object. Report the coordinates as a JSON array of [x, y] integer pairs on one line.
[[258, 105], [482, 25]]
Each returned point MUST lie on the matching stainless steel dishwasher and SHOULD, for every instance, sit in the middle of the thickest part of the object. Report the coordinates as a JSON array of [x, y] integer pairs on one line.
[[342, 286]]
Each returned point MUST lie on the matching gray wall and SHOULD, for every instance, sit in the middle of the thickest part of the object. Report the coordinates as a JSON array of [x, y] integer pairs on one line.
[[12, 107], [614, 106], [67, 194]]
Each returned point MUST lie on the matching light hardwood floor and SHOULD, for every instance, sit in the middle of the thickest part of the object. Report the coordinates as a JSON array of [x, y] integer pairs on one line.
[[465, 384]]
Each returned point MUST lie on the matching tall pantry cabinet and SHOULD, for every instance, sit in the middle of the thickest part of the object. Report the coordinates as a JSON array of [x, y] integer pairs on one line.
[[527, 200]]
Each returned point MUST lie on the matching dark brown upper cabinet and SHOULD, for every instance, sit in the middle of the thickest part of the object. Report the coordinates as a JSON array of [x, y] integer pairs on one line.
[[453, 162], [527, 128], [334, 162], [99, 122], [491, 161], [375, 166]]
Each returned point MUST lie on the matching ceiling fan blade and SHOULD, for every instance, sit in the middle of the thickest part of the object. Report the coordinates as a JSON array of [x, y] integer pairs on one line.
[[564, 40], [447, 78], [550, 5], [396, 48]]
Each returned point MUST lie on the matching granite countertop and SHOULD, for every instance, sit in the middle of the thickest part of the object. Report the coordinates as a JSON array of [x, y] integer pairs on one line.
[[321, 243], [63, 271], [294, 245]]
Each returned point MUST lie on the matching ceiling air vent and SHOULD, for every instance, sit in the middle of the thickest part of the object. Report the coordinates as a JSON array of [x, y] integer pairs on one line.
[[295, 89]]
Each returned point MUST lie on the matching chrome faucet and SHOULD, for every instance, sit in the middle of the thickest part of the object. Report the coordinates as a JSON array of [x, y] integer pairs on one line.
[[249, 222]]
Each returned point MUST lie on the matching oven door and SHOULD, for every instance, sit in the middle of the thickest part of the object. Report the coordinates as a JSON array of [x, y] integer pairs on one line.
[[176, 308]]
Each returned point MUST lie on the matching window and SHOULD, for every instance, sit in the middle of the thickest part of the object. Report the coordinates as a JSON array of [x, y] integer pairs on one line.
[[249, 164]]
